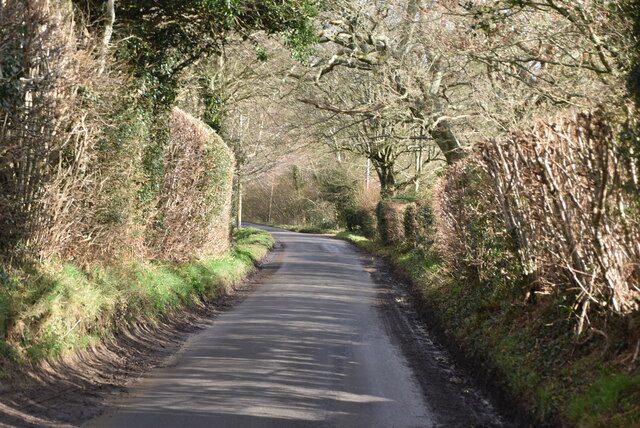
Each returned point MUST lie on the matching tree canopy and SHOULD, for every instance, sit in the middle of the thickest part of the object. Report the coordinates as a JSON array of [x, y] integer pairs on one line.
[[160, 39]]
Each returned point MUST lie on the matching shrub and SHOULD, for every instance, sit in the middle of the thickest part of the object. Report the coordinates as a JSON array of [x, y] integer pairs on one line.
[[390, 215], [45, 142], [418, 222], [556, 207], [367, 223], [193, 213]]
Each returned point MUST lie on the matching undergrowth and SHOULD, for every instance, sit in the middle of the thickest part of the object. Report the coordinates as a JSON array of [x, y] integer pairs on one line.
[[55, 307], [530, 349]]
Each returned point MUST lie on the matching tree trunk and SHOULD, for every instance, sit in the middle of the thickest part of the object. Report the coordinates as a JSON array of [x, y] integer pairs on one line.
[[239, 204], [418, 168], [447, 142], [108, 33], [368, 178], [271, 200], [387, 177], [441, 133]]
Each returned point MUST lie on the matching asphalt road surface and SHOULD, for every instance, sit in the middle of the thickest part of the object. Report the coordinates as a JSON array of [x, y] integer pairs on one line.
[[308, 348]]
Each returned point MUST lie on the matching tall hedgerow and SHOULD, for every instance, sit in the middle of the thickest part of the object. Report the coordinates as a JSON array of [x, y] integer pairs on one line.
[[46, 144], [550, 211], [193, 211]]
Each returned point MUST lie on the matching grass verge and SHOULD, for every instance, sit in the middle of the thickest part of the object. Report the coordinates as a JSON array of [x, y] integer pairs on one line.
[[529, 350], [304, 228], [56, 307]]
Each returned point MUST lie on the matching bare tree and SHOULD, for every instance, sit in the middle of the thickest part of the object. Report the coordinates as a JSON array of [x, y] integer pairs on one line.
[[395, 144], [390, 41], [241, 95], [545, 56]]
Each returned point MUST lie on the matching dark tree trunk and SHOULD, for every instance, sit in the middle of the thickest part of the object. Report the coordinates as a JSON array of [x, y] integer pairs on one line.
[[447, 142], [385, 168]]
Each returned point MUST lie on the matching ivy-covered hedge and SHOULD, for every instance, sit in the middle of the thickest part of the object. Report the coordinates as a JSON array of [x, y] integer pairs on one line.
[[390, 215]]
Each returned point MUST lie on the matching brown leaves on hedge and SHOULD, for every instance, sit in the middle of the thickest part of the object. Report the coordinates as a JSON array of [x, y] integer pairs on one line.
[[196, 194], [561, 201]]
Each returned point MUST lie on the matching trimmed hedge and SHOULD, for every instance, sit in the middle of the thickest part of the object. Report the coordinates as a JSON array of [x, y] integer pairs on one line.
[[194, 208]]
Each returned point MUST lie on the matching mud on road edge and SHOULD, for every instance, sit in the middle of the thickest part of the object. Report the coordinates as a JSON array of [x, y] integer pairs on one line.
[[428, 349], [78, 388]]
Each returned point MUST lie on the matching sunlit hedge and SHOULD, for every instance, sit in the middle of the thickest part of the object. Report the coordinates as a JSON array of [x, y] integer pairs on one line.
[[554, 209], [193, 214]]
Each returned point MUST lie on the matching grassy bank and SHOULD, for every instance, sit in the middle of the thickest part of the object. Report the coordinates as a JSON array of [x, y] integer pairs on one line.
[[52, 308], [528, 353]]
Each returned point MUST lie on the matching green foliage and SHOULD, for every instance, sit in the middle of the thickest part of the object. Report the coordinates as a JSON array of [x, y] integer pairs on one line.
[[11, 69], [261, 54], [302, 37], [214, 102], [297, 179], [220, 162], [390, 215], [162, 38], [360, 240], [153, 159], [128, 164], [632, 10], [251, 238], [381, 223], [51, 309], [366, 223], [7, 312], [342, 191], [613, 400], [194, 26], [419, 225]]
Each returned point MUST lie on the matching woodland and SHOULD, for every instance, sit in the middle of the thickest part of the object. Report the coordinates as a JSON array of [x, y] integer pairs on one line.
[[490, 150]]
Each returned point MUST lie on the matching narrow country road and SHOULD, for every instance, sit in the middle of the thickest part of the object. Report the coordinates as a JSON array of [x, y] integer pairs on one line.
[[307, 348]]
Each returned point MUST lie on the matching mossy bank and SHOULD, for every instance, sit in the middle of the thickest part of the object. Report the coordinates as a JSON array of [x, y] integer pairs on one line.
[[525, 353], [53, 308]]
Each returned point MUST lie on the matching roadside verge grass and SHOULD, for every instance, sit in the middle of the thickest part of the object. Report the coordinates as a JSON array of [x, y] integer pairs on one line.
[[530, 354], [318, 229], [55, 307]]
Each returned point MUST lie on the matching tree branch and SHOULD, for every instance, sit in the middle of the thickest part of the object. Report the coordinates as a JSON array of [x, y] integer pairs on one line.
[[362, 110]]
